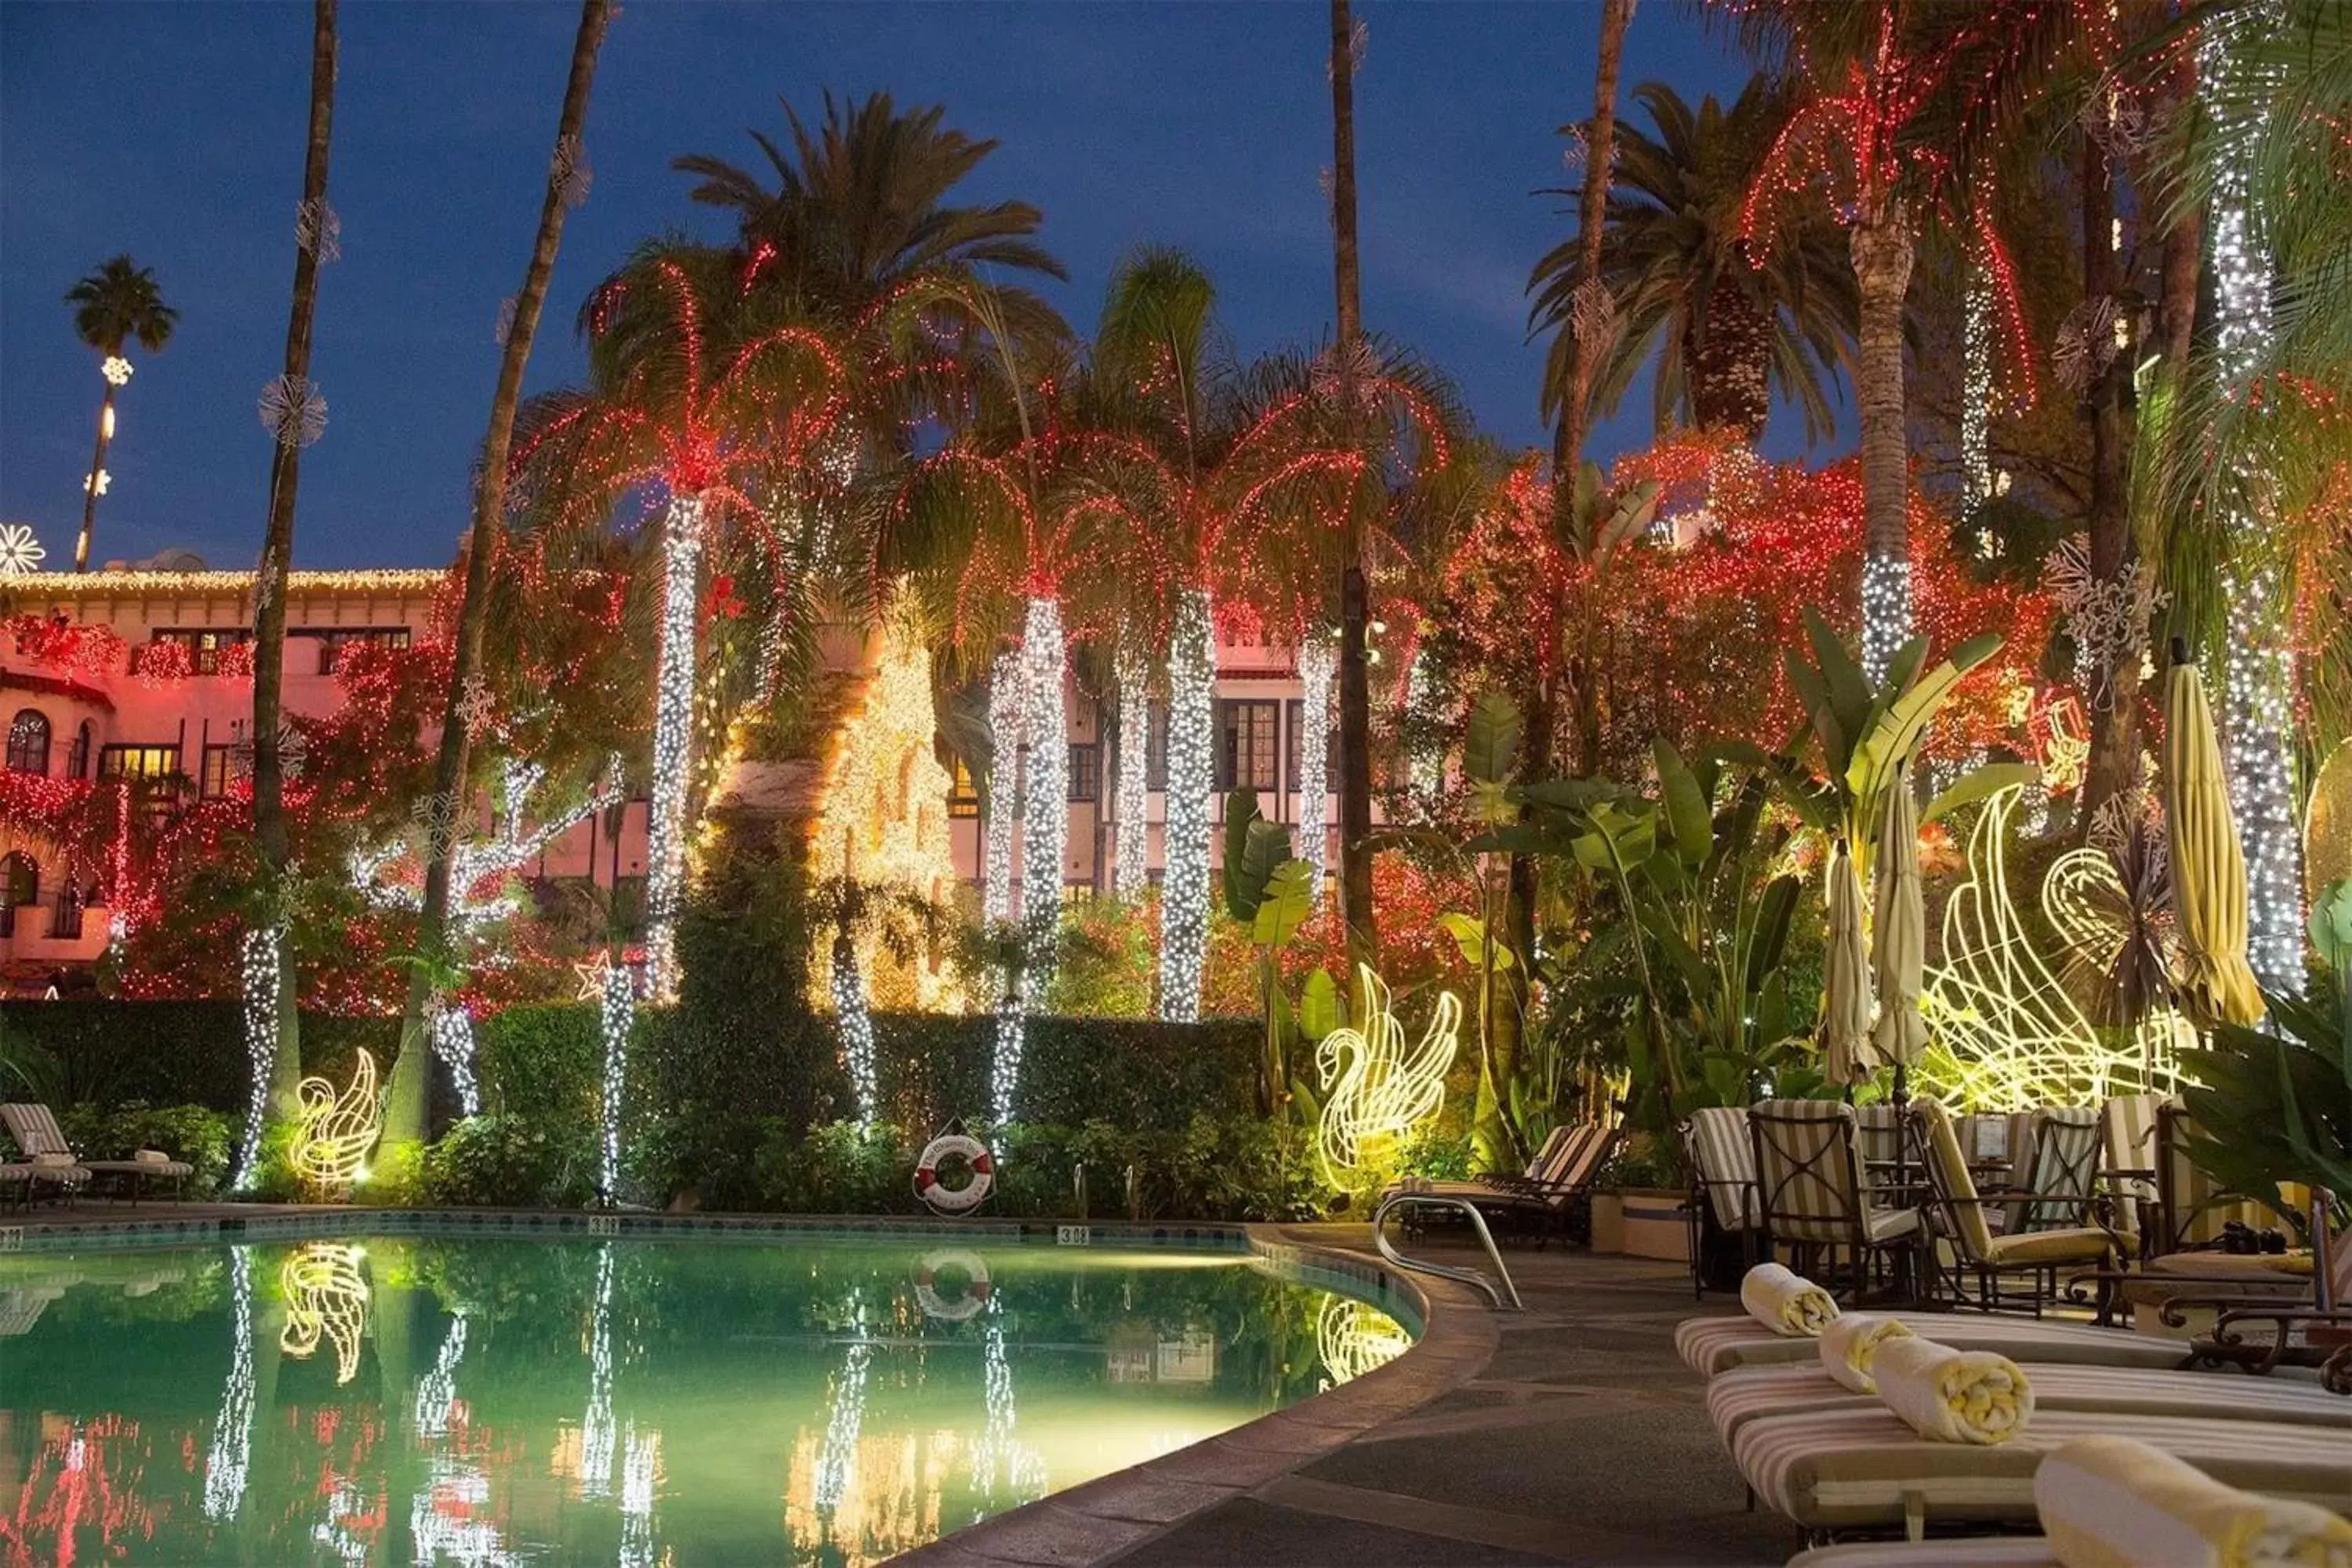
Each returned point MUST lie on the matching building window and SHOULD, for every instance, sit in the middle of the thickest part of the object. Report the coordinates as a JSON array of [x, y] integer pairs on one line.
[[1155, 748], [963, 797], [1295, 718], [137, 762], [20, 886], [78, 760], [28, 742], [204, 646], [1245, 748], [332, 641], [65, 923], [223, 767], [1085, 773]]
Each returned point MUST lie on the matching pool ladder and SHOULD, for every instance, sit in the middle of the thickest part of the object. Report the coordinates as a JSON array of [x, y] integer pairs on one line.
[[1470, 1276]]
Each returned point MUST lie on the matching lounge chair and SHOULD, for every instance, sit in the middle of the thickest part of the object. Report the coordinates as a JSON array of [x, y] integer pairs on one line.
[[1850, 1468], [2064, 1139], [1714, 1346], [1811, 1192], [1549, 1206], [2038, 1255], [1723, 1184], [61, 1176], [37, 1132], [1753, 1393], [1558, 1148]]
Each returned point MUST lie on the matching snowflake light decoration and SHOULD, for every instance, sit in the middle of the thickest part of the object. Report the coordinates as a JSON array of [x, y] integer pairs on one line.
[[1338, 366], [99, 483], [116, 369], [476, 705], [1592, 315], [293, 410], [2121, 128], [1575, 149], [435, 820], [317, 230], [569, 172], [2086, 343], [20, 553], [2109, 616]]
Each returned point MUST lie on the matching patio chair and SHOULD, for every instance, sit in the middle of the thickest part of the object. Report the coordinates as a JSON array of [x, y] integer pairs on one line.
[[2127, 1142], [2038, 1254], [1723, 1185], [37, 1132], [1810, 1195], [1856, 1468], [1714, 1346], [2064, 1161], [1551, 1206], [1544, 1162]]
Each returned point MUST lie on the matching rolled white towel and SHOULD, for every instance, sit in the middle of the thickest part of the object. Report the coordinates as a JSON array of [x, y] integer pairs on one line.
[[152, 1157], [2114, 1503], [1952, 1396], [1850, 1347], [54, 1162], [1786, 1302]]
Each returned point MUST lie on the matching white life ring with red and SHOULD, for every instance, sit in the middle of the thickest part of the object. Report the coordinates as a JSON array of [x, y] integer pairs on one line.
[[975, 1292], [954, 1200]]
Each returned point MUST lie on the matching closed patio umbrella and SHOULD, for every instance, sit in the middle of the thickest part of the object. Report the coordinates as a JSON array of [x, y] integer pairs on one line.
[[1899, 936], [2209, 866], [1846, 1056]]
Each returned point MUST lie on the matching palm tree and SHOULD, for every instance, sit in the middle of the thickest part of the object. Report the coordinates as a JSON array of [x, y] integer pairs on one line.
[[112, 306], [298, 417], [1678, 268], [406, 1102], [1355, 611]]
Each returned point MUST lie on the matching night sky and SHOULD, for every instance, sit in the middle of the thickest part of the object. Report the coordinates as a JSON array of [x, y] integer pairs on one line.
[[175, 131]]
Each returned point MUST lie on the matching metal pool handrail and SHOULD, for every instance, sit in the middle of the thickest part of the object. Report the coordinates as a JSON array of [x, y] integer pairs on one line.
[[1446, 1270]]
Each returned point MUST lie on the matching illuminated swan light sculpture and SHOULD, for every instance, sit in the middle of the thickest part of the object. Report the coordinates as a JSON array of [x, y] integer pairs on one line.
[[1377, 1090], [333, 1133], [326, 1297]]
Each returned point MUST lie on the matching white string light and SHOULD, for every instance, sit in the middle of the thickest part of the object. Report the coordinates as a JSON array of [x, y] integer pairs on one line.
[[673, 743], [258, 960], [1006, 688], [598, 1438], [1184, 882], [436, 1391], [836, 1466], [232, 1447], [1046, 790], [1011, 1035], [1318, 661], [1885, 613], [1130, 870], [637, 1456], [449, 1027], [1023, 1467], [620, 1013], [2259, 666], [856, 1025], [1976, 396]]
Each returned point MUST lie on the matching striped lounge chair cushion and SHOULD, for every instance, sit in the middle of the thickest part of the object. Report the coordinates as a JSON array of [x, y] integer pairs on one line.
[[1833, 1468], [1995, 1551], [1726, 1162], [1754, 1393], [1709, 1346]]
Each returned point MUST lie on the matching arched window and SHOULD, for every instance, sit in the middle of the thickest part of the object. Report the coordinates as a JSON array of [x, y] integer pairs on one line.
[[20, 885], [78, 760], [67, 924], [28, 742]]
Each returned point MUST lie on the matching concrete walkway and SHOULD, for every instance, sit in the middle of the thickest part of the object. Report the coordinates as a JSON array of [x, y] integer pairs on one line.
[[1569, 1434]]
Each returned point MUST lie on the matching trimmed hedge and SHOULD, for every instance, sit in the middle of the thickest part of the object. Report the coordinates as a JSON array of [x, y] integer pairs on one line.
[[112, 1052]]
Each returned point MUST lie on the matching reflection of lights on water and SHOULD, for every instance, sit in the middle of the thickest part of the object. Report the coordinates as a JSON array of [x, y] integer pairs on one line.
[[637, 1498], [325, 1296], [231, 1450], [1353, 1339], [436, 1391], [343, 1504], [1023, 1467], [447, 1522], [836, 1469], [596, 1433]]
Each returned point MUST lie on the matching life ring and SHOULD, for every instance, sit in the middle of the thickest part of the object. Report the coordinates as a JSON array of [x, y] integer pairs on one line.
[[975, 1292], [954, 1200]]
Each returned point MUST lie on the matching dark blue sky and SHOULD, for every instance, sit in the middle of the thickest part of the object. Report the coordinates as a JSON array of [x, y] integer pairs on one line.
[[173, 131]]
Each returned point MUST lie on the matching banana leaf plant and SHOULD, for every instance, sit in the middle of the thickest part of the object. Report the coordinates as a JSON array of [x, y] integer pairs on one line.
[[1270, 893], [2275, 1106]]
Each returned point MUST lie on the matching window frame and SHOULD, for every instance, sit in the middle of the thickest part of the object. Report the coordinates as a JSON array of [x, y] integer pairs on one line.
[[1237, 722], [1085, 774], [110, 752], [20, 749]]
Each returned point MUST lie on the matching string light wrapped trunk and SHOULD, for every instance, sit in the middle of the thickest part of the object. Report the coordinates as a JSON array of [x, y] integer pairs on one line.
[[1004, 710], [1184, 880], [259, 975], [682, 540], [1046, 790], [1130, 871], [620, 1004], [1318, 663]]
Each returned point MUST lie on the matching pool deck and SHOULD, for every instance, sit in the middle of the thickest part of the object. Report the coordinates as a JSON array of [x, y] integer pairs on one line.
[[1570, 1433]]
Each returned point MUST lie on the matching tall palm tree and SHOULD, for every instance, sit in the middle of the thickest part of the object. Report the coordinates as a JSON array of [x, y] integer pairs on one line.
[[114, 306], [1355, 611], [297, 416], [1575, 401], [404, 1110], [1738, 322]]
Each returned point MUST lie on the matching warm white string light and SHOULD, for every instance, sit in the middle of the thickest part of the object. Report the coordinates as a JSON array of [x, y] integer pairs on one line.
[[1011, 1035], [856, 1025], [258, 961], [620, 1014], [637, 1458], [1006, 688], [673, 743], [2260, 666], [1184, 881], [598, 1438], [1023, 1468], [837, 1468], [450, 1026], [1975, 401], [1318, 661], [436, 1391], [1046, 790], [231, 1454], [1885, 613], [1131, 870]]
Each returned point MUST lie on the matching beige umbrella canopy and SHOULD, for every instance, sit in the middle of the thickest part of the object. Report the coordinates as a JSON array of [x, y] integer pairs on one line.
[[1899, 938], [1845, 977], [2209, 866]]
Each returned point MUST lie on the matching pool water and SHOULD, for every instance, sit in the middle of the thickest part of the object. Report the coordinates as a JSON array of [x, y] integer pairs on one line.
[[488, 1402]]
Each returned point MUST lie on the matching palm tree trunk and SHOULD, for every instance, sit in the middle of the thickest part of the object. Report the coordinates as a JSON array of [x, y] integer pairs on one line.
[[96, 467], [1355, 607], [2114, 687], [1184, 874], [1045, 804], [411, 1073], [277, 554], [1882, 249], [1599, 159], [673, 742], [1727, 371]]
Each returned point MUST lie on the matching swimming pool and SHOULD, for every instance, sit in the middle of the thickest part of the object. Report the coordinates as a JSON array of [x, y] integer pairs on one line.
[[488, 1401]]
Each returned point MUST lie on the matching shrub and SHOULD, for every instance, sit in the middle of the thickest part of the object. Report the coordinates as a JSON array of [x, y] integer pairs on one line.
[[512, 1162], [836, 1167], [205, 1138], [542, 1060]]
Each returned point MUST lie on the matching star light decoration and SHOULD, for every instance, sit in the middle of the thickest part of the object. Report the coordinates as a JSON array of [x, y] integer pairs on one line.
[[20, 553], [293, 410], [319, 230], [1184, 878], [116, 369]]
